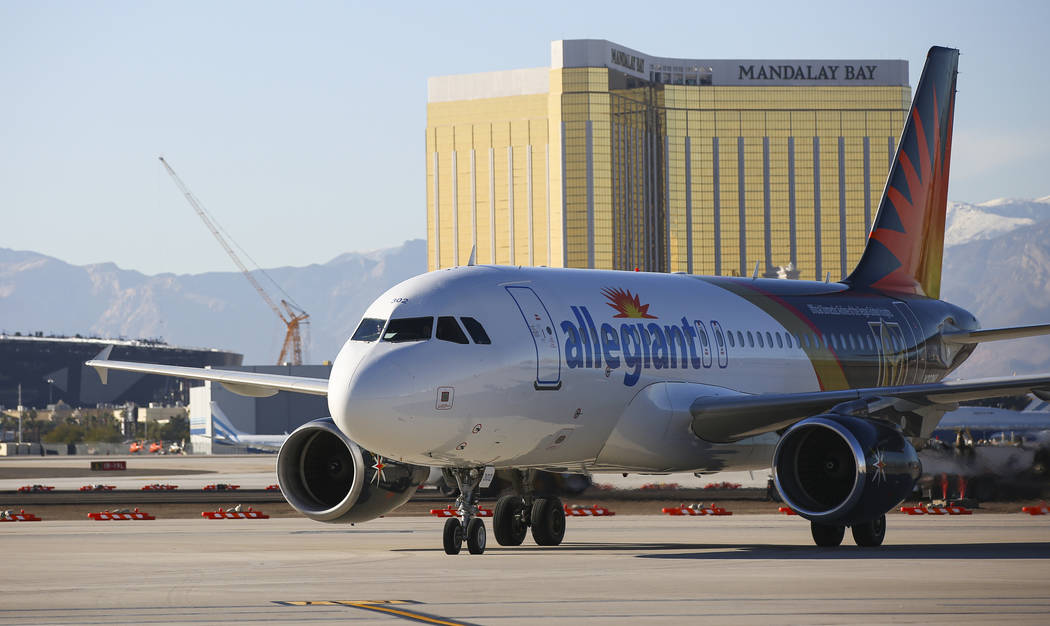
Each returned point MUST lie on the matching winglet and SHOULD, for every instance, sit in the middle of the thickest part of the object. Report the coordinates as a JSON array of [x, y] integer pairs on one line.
[[103, 371]]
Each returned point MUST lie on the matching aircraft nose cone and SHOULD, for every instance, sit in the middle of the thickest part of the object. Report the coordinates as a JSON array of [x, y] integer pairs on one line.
[[388, 406]]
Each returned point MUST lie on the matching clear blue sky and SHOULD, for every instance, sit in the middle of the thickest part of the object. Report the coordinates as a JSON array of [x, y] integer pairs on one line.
[[300, 125]]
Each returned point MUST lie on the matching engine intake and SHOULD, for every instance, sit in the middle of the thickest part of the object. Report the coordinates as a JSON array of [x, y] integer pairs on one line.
[[329, 478], [837, 469]]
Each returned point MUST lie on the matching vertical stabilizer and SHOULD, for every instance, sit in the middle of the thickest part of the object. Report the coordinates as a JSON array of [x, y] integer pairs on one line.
[[221, 427], [906, 243]]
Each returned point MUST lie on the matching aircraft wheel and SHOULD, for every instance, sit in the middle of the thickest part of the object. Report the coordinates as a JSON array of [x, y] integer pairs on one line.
[[548, 521], [510, 521], [476, 536], [827, 536], [870, 534], [453, 536]]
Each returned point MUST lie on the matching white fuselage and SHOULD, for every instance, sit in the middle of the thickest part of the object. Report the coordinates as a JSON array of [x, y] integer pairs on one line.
[[570, 380]]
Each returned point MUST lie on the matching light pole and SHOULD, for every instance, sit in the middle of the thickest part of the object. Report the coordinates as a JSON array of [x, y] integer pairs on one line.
[[50, 388], [20, 410]]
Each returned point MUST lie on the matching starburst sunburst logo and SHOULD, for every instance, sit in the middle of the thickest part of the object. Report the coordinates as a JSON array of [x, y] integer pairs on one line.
[[879, 465], [378, 467], [627, 304]]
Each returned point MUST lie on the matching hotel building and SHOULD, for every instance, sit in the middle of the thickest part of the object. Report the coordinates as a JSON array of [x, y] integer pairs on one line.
[[616, 159]]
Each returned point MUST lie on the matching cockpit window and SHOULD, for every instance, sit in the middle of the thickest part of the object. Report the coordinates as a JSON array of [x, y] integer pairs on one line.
[[476, 330], [448, 330], [409, 329], [369, 329]]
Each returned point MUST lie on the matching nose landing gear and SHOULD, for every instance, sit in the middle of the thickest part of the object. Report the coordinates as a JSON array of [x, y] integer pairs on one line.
[[467, 527]]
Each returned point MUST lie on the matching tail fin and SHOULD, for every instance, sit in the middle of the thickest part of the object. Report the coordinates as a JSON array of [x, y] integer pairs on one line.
[[221, 428], [906, 242]]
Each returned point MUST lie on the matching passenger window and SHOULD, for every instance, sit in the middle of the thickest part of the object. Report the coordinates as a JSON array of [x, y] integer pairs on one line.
[[760, 344], [409, 329], [706, 342], [368, 330], [476, 330], [729, 336], [780, 341], [740, 338], [769, 340], [448, 330], [750, 339]]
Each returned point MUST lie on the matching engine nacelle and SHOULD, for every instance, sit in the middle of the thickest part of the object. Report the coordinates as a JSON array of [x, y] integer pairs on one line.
[[329, 478], [836, 469]]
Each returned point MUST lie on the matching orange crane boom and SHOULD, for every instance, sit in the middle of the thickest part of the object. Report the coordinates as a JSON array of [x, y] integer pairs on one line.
[[292, 316]]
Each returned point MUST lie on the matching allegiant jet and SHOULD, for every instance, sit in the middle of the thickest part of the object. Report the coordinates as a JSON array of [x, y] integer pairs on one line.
[[481, 368]]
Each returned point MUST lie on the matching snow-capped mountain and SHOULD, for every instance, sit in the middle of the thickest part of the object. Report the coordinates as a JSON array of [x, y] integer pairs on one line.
[[971, 222]]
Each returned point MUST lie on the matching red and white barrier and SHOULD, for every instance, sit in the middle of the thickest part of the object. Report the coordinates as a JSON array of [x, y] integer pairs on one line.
[[249, 514], [21, 516], [450, 511], [579, 510], [696, 509], [1042, 509], [922, 509], [106, 516]]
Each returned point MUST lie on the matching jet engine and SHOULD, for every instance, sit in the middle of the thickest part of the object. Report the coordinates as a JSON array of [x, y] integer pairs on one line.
[[329, 478], [844, 470]]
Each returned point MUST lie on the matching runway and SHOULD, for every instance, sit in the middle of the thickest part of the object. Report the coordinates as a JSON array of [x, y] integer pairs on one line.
[[625, 569]]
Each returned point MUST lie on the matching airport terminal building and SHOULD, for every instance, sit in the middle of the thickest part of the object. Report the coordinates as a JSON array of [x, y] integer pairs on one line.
[[612, 158]]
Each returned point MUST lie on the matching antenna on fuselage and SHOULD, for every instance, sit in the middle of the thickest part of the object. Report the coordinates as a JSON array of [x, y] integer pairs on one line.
[[754, 274], [473, 259]]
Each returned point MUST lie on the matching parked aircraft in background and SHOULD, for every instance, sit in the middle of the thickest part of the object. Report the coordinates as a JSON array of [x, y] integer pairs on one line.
[[225, 433], [523, 369]]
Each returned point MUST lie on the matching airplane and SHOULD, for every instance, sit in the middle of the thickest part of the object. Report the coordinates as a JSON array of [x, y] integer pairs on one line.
[[224, 432], [994, 424], [576, 370]]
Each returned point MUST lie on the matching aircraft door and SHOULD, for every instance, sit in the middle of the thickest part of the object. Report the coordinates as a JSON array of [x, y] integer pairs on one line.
[[720, 343], [544, 336], [705, 344], [917, 356]]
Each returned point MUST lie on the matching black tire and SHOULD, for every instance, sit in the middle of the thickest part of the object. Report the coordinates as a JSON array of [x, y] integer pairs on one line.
[[827, 536], [870, 534], [508, 524], [548, 521], [453, 535], [476, 536]]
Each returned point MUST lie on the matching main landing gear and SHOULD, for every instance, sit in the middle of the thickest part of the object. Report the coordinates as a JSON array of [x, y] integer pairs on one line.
[[512, 518], [516, 513], [866, 535]]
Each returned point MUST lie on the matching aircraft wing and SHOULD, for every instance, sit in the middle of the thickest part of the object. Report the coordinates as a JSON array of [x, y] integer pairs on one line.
[[996, 334], [722, 419], [243, 383]]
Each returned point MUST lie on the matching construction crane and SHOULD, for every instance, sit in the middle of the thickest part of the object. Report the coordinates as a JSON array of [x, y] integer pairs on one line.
[[291, 314]]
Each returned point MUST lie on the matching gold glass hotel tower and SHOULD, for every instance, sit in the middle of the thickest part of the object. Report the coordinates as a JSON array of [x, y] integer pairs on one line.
[[615, 159]]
